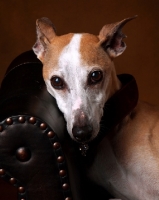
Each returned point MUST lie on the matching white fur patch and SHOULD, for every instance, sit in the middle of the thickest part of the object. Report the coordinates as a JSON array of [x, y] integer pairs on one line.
[[77, 104]]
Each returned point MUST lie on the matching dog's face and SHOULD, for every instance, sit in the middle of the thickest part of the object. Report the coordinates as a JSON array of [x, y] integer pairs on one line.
[[79, 73]]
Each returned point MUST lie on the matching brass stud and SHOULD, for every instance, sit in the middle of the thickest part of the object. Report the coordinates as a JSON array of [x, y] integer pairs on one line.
[[50, 134], [43, 126], [21, 189], [9, 121], [21, 119], [65, 186], [2, 172], [23, 154], [32, 120], [1, 128], [60, 159], [56, 145], [62, 173], [12, 181], [68, 198]]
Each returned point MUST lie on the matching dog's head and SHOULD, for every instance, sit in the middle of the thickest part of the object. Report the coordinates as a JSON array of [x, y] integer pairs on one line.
[[79, 73]]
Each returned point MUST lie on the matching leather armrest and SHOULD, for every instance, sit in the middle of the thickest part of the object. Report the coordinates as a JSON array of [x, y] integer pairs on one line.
[[37, 155]]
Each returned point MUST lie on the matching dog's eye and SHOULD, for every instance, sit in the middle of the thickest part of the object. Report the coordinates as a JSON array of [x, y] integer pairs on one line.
[[57, 82], [95, 77]]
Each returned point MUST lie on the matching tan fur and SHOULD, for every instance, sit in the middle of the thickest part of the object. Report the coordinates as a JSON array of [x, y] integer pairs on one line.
[[129, 156], [53, 51], [139, 132], [92, 53]]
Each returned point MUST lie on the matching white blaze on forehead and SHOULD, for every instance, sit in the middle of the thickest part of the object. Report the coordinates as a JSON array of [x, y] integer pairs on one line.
[[70, 54], [74, 73]]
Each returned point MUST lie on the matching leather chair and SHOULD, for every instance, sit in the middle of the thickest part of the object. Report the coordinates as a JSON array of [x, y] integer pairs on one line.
[[38, 160]]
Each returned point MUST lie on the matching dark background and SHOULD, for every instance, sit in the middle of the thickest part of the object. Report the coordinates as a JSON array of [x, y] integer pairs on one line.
[[17, 32]]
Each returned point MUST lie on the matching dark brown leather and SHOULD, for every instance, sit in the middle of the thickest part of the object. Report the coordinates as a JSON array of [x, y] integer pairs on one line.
[[36, 169]]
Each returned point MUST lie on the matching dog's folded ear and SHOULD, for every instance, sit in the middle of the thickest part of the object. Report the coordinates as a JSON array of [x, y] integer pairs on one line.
[[45, 33], [111, 38]]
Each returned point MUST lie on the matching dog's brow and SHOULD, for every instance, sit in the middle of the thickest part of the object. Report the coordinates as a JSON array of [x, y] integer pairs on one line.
[[71, 50]]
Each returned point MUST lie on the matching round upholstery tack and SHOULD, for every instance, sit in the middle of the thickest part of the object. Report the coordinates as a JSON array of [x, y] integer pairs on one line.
[[50, 134], [23, 154], [2, 172], [32, 120], [21, 119], [9, 121], [65, 186], [21, 189], [56, 145], [60, 159], [62, 173], [12, 181], [43, 126], [68, 198]]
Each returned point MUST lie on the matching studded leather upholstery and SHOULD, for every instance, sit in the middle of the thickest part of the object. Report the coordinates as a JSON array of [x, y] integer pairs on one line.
[[38, 160]]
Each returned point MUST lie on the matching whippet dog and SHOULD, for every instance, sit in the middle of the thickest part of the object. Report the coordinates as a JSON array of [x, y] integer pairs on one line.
[[79, 73]]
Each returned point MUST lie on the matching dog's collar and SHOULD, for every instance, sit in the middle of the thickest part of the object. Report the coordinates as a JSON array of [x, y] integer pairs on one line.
[[117, 107]]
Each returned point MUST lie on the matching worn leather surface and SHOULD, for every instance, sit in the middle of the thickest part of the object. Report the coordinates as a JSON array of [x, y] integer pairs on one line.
[[39, 173]]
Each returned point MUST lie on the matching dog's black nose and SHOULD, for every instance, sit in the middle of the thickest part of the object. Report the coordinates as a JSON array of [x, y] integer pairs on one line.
[[82, 133]]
